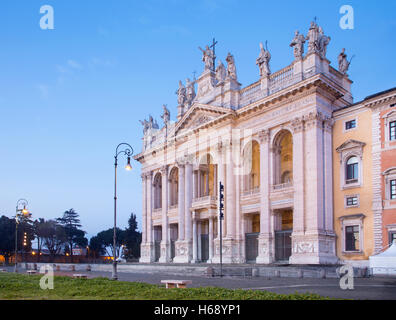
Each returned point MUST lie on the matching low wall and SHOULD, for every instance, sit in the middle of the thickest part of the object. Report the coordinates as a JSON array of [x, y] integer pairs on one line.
[[208, 270]]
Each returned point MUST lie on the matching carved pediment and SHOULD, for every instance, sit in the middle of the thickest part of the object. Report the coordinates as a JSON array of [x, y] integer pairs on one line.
[[351, 144], [198, 115]]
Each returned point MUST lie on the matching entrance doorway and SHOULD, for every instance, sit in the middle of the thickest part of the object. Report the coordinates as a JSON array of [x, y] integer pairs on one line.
[[204, 241], [157, 243], [283, 232], [251, 246], [204, 247], [174, 234], [251, 237]]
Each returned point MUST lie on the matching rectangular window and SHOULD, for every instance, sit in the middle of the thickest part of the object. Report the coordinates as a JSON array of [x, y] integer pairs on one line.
[[392, 130], [393, 189], [351, 201], [352, 238], [350, 124], [392, 237], [352, 172]]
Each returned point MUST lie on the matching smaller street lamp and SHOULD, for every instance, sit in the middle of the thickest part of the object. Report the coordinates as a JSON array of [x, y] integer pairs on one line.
[[21, 211], [127, 150]]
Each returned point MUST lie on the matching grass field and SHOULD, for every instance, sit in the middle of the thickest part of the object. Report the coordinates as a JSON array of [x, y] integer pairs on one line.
[[19, 286]]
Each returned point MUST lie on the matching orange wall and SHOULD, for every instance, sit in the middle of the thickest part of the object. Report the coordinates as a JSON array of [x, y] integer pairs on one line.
[[388, 160]]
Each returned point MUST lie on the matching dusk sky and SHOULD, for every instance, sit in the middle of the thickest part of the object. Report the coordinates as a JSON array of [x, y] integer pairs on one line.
[[69, 96]]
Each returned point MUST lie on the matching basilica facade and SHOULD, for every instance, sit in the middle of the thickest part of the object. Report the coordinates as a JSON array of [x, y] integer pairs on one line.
[[271, 144]]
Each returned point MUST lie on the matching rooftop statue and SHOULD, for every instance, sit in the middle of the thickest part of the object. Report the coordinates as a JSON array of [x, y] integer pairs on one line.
[[343, 63], [166, 115], [181, 94], [190, 90], [221, 72], [231, 69], [145, 125], [298, 45], [153, 123], [322, 43], [317, 40], [263, 61], [208, 57]]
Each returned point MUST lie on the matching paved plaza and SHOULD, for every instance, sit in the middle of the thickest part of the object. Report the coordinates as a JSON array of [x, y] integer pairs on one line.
[[364, 288]]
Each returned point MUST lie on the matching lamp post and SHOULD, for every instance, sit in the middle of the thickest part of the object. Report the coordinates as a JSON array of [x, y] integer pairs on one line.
[[127, 150], [20, 212]]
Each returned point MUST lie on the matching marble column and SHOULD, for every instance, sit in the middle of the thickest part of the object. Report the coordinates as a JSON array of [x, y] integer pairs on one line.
[[181, 195], [229, 244], [187, 206], [181, 245], [230, 195], [144, 208], [144, 249], [147, 255], [265, 253], [194, 240], [165, 246], [220, 178], [298, 176]]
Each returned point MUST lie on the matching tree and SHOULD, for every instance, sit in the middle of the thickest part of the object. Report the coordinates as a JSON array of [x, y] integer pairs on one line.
[[133, 238], [7, 237], [96, 247], [54, 237], [106, 238], [74, 236]]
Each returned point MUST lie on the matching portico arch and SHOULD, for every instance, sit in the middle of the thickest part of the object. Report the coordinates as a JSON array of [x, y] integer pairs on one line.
[[173, 186], [251, 166], [157, 188], [282, 155]]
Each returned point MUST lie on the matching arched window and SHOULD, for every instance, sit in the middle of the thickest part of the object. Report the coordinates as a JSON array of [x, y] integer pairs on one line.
[[206, 177], [352, 169], [174, 186], [158, 191], [251, 166], [282, 152]]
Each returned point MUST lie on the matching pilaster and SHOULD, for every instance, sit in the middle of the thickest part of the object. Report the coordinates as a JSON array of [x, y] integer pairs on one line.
[[265, 253]]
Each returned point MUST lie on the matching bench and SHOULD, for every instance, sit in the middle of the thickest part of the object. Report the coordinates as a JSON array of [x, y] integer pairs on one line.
[[80, 276], [30, 272], [176, 283], [3, 270]]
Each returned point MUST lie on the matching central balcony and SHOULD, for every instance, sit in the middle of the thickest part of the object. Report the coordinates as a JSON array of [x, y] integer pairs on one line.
[[282, 186], [204, 202]]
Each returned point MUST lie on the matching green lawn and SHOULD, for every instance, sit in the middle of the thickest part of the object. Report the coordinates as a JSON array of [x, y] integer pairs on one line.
[[20, 286]]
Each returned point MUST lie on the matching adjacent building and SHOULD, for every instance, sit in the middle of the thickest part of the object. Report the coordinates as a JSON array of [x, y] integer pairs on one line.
[[303, 167]]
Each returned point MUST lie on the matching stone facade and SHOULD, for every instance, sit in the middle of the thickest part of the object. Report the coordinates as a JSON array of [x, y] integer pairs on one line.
[[269, 143]]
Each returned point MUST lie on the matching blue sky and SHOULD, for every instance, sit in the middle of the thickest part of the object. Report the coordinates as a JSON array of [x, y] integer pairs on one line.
[[68, 96]]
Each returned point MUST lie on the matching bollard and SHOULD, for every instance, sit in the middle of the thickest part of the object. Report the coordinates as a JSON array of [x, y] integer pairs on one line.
[[35, 266], [88, 268], [300, 274], [72, 268]]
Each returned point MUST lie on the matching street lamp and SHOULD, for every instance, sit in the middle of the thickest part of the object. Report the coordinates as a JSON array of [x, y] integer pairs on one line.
[[21, 211], [127, 150]]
